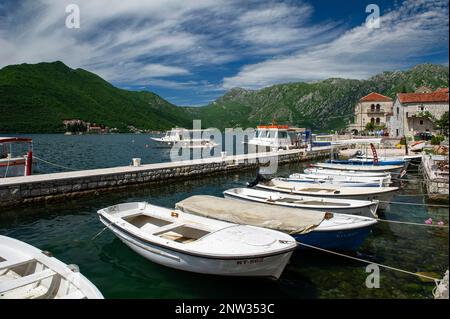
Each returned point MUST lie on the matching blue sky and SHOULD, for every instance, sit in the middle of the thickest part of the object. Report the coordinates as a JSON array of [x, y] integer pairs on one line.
[[191, 52]]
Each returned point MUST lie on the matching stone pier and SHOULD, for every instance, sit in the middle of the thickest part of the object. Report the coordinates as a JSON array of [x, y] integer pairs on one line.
[[59, 186]]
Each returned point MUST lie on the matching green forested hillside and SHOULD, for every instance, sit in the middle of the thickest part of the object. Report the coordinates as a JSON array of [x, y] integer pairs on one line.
[[37, 98], [324, 105]]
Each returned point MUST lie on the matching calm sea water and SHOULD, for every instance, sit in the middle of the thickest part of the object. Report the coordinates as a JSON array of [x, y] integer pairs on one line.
[[67, 229]]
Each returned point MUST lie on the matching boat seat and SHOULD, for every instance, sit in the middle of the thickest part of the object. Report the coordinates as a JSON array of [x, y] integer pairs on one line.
[[128, 214], [24, 281], [166, 228], [13, 262]]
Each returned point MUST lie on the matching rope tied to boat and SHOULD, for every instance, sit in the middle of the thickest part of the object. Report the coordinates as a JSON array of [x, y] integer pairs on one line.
[[410, 223], [7, 164], [56, 165], [414, 204], [436, 280]]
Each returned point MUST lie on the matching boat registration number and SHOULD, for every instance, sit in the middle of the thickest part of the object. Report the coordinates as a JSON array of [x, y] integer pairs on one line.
[[250, 261]]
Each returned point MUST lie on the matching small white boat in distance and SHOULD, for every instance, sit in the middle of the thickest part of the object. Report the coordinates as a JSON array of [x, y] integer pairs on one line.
[[382, 194], [335, 205], [417, 146], [343, 180], [336, 172], [28, 273], [198, 244], [185, 138], [393, 169]]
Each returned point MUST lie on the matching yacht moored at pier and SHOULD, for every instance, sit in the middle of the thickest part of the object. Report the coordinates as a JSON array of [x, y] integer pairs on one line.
[[16, 156], [185, 138], [278, 137]]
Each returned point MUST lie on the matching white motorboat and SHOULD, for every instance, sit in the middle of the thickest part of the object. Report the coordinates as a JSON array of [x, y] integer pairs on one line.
[[331, 182], [335, 205], [29, 273], [320, 229], [392, 169], [278, 137], [198, 244], [336, 172], [382, 194], [185, 138], [343, 180], [416, 158]]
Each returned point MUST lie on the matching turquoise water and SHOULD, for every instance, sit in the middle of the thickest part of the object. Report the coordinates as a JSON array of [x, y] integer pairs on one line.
[[67, 229]]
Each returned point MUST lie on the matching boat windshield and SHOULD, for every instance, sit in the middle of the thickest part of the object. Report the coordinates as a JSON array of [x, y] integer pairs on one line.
[[282, 134], [261, 134]]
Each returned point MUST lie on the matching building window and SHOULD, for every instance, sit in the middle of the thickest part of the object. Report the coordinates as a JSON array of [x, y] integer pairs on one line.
[[396, 132], [372, 120], [378, 107], [372, 107], [378, 121], [407, 114], [421, 122], [422, 108]]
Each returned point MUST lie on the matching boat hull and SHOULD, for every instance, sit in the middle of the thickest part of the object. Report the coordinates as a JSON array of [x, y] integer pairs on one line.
[[342, 240], [383, 198], [397, 170], [367, 211], [336, 182], [252, 266]]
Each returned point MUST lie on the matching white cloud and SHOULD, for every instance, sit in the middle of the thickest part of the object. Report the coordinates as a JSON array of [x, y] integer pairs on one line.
[[415, 29], [149, 42]]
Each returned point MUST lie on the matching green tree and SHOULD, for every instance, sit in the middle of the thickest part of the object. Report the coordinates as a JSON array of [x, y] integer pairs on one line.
[[370, 126], [442, 124]]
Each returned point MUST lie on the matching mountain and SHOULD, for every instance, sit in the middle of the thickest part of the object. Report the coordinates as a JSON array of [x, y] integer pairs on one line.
[[38, 97], [324, 105]]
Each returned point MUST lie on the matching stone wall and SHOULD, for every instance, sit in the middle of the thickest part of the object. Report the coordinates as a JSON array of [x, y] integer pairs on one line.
[[437, 185]]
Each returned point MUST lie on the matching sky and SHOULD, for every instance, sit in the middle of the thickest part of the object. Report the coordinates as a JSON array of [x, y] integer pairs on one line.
[[191, 52]]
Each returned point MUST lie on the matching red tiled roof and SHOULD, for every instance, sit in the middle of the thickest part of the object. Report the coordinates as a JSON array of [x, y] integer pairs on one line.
[[438, 96], [375, 97]]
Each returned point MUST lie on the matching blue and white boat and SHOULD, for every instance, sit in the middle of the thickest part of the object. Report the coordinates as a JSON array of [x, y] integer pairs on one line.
[[392, 169], [340, 232], [343, 179], [321, 204], [319, 229], [360, 161], [330, 181]]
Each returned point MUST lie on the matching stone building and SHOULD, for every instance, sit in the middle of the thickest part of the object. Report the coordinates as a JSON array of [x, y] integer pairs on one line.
[[374, 108], [417, 112]]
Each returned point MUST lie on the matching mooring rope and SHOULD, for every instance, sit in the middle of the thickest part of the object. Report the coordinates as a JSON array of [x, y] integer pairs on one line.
[[56, 165], [436, 280], [409, 223], [7, 164], [414, 204]]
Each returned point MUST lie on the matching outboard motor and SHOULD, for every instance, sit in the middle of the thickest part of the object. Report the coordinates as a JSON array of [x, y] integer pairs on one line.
[[260, 178]]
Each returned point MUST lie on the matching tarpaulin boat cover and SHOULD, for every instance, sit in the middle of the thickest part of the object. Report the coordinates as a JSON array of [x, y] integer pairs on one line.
[[292, 221]]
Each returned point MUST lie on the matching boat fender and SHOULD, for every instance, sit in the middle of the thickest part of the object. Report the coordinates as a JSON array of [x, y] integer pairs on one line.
[[328, 215], [47, 253], [73, 268], [174, 214]]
